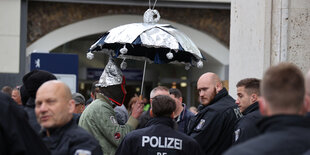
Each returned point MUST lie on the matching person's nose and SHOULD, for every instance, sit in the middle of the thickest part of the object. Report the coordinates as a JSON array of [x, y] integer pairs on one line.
[[237, 102], [201, 93], [43, 108]]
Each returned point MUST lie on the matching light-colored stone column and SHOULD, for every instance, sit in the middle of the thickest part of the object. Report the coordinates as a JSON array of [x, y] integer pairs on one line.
[[9, 36], [298, 41], [265, 33], [249, 40]]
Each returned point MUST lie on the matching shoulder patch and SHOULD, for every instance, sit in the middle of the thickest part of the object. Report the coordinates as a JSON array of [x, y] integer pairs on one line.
[[82, 152], [200, 124], [117, 135], [238, 113], [113, 120], [237, 133]]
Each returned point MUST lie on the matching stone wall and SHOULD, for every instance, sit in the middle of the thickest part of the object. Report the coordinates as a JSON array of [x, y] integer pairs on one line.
[[44, 17]]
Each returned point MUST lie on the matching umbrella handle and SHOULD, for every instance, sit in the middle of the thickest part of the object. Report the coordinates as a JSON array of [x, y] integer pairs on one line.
[[143, 76]]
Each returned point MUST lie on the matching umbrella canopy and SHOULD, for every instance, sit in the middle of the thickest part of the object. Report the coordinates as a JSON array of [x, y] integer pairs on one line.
[[155, 43], [149, 42]]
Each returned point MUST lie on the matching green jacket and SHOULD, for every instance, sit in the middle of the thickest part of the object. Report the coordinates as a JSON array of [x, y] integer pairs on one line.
[[99, 120]]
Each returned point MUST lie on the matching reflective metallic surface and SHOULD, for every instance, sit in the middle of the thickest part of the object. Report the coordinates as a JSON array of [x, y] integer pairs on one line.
[[111, 75]]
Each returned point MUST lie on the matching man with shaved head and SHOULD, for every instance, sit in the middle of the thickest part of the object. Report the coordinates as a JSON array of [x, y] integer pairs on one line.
[[213, 126], [54, 109]]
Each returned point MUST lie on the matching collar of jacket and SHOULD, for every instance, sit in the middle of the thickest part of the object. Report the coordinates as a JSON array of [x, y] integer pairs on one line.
[[217, 97], [105, 99], [181, 116], [161, 120], [279, 122], [251, 108], [56, 133]]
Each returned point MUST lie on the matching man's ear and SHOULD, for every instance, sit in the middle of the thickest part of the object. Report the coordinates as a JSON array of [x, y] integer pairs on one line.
[[151, 113], [218, 86], [254, 98], [172, 115], [262, 106], [71, 106], [181, 99]]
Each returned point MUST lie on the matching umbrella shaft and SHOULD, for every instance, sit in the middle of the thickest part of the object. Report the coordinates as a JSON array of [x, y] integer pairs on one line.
[[143, 76]]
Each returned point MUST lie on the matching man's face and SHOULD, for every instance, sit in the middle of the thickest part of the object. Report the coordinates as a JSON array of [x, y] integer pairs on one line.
[[52, 107], [16, 96], [207, 91], [79, 108], [178, 101], [243, 100]]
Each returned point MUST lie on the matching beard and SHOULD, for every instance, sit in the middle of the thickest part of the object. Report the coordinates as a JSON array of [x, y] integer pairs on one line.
[[207, 101]]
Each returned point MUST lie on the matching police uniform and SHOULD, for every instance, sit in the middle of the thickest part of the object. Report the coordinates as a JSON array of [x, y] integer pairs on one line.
[[246, 127], [71, 139], [281, 134], [158, 138], [213, 126]]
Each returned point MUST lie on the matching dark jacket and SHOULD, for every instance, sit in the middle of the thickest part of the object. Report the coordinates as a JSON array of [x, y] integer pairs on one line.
[[158, 137], [282, 135], [213, 126], [16, 135], [32, 119], [144, 118], [246, 127], [183, 119], [71, 139]]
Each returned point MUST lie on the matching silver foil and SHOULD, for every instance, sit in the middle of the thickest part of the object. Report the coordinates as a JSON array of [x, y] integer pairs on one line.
[[153, 35], [111, 75]]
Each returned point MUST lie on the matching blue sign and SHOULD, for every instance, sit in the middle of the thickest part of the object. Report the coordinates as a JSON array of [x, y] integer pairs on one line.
[[63, 66], [130, 74]]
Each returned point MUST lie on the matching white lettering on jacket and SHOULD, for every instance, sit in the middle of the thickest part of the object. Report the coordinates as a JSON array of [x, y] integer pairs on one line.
[[162, 142]]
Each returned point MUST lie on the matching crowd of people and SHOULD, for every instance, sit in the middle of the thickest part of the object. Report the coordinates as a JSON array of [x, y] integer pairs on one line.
[[270, 116]]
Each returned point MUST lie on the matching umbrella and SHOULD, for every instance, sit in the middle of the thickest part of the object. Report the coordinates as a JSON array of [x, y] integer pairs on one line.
[[149, 42]]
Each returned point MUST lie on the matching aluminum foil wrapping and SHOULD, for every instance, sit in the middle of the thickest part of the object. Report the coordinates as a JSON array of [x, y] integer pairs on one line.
[[187, 44], [111, 75], [129, 32], [156, 37], [153, 35], [151, 16]]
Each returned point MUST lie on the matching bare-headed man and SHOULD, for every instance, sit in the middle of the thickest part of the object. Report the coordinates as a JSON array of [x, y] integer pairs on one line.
[[247, 101], [213, 126], [284, 130], [54, 109], [181, 114]]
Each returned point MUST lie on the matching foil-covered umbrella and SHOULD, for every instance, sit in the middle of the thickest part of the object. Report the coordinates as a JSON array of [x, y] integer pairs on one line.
[[149, 42]]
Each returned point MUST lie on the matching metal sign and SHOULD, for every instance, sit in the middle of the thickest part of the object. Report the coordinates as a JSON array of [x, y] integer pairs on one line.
[[63, 66]]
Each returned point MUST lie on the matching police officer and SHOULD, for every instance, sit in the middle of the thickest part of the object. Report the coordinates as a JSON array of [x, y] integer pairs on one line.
[[247, 101], [54, 109], [159, 137], [213, 126], [284, 130]]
